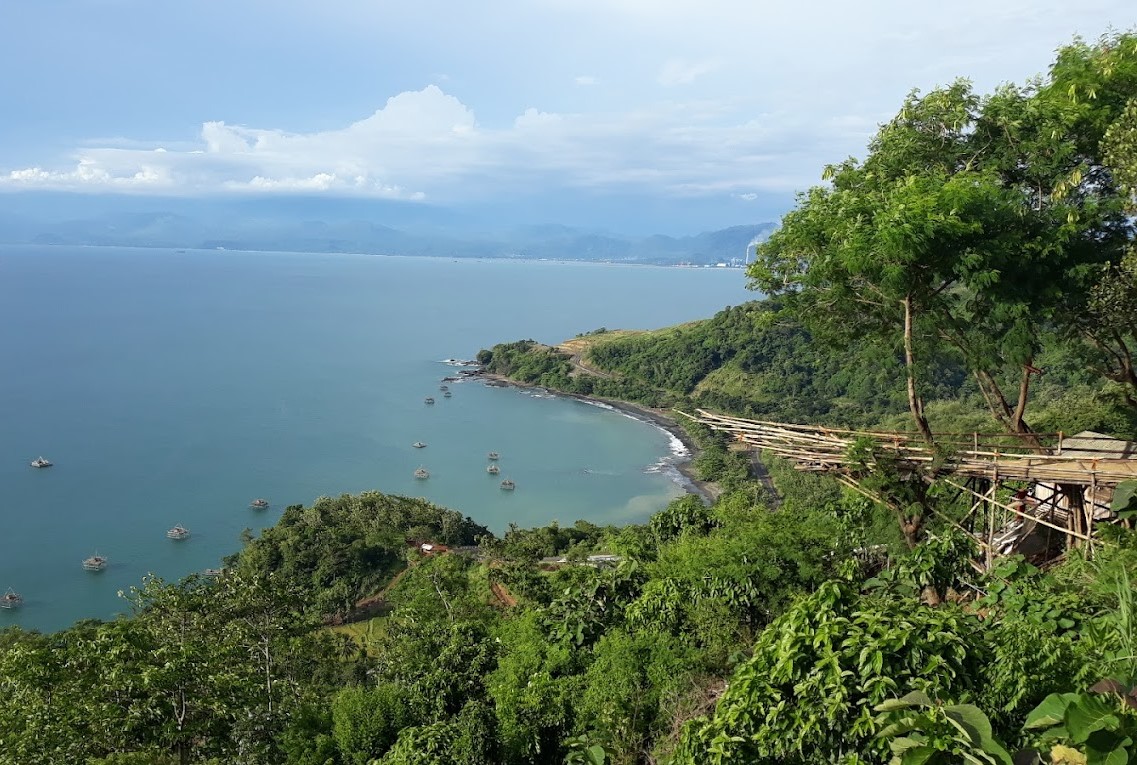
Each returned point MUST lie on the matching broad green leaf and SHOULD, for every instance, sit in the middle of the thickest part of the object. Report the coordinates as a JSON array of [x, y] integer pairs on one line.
[[1124, 498], [972, 718], [902, 744], [1050, 712], [916, 756], [1087, 715]]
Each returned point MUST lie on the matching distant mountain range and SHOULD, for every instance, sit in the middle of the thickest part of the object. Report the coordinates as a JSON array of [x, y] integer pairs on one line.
[[343, 225]]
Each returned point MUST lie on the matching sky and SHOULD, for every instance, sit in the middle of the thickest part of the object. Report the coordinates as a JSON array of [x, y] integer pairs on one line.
[[669, 114]]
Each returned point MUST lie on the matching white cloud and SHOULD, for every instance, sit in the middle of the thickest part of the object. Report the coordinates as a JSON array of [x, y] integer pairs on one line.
[[427, 144], [800, 94], [678, 71], [808, 82]]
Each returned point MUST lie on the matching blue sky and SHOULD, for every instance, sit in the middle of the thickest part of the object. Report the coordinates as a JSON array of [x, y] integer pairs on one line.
[[709, 111]]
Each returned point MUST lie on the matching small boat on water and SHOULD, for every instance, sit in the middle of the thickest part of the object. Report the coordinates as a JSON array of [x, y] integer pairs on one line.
[[492, 455], [11, 599], [259, 504], [178, 532], [422, 473], [428, 400], [41, 462], [95, 563], [419, 445], [493, 469], [444, 387], [508, 485], [447, 394]]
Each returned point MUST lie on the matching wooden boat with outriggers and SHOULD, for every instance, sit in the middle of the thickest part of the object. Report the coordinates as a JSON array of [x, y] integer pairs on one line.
[[422, 473], [508, 485], [41, 462], [419, 445], [446, 394], [259, 504], [178, 532], [11, 599], [493, 469], [492, 456], [428, 400], [444, 387], [95, 563]]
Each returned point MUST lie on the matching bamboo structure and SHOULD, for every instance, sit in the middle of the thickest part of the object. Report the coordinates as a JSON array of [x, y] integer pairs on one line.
[[978, 465]]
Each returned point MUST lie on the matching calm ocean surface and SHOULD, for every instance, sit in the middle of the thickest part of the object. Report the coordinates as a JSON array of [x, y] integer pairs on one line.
[[175, 387]]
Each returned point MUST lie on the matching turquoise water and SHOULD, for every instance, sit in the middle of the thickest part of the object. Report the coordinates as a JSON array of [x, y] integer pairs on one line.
[[176, 387]]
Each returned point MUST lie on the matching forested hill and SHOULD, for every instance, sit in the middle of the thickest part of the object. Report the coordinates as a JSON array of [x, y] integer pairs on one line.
[[754, 360]]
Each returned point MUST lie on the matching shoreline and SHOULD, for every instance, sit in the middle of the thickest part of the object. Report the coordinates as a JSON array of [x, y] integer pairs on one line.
[[708, 491]]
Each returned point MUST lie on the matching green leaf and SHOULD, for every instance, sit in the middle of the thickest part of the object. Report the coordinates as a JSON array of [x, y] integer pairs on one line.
[[902, 744], [972, 718], [1124, 498], [596, 755], [1050, 712], [913, 699], [1105, 747], [917, 756], [1087, 715]]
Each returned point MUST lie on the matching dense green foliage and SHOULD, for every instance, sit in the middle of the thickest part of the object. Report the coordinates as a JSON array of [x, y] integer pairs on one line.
[[802, 628], [345, 548], [756, 361]]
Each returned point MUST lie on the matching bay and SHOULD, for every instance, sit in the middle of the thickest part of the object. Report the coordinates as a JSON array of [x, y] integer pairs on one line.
[[175, 386]]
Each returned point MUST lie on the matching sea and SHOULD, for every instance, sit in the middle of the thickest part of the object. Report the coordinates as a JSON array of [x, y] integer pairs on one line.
[[176, 386]]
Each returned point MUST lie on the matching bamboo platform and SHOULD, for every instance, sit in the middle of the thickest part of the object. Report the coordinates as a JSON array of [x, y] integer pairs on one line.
[[1070, 480], [815, 448]]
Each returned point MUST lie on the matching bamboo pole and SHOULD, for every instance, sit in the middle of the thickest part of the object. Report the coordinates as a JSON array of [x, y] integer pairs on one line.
[[1015, 510]]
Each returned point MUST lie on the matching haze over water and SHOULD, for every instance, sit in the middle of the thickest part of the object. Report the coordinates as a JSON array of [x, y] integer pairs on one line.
[[176, 387]]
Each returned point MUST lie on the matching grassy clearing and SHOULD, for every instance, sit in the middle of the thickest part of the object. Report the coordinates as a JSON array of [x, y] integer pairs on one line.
[[366, 633]]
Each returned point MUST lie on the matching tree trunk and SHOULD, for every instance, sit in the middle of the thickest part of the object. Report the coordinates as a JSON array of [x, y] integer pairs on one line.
[[1011, 419], [1017, 423], [915, 401]]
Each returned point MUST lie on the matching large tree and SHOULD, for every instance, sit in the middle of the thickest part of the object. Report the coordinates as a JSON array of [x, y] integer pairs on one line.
[[973, 225]]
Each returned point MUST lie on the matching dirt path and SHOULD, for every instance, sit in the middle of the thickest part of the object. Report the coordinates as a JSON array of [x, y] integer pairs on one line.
[[576, 349], [763, 475], [365, 608]]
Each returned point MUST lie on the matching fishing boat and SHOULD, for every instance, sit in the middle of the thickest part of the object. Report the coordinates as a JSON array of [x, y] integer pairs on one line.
[[178, 532], [11, 599], [444, 387], [508, 485], [419, 445], [95, 563], [447, 394], [259, 504], [492, 455], [493, 469], [428, 400], [422, 473], [41, 462]]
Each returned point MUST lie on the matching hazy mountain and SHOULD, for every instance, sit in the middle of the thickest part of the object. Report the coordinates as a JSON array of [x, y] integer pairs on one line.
[[325, 224]]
